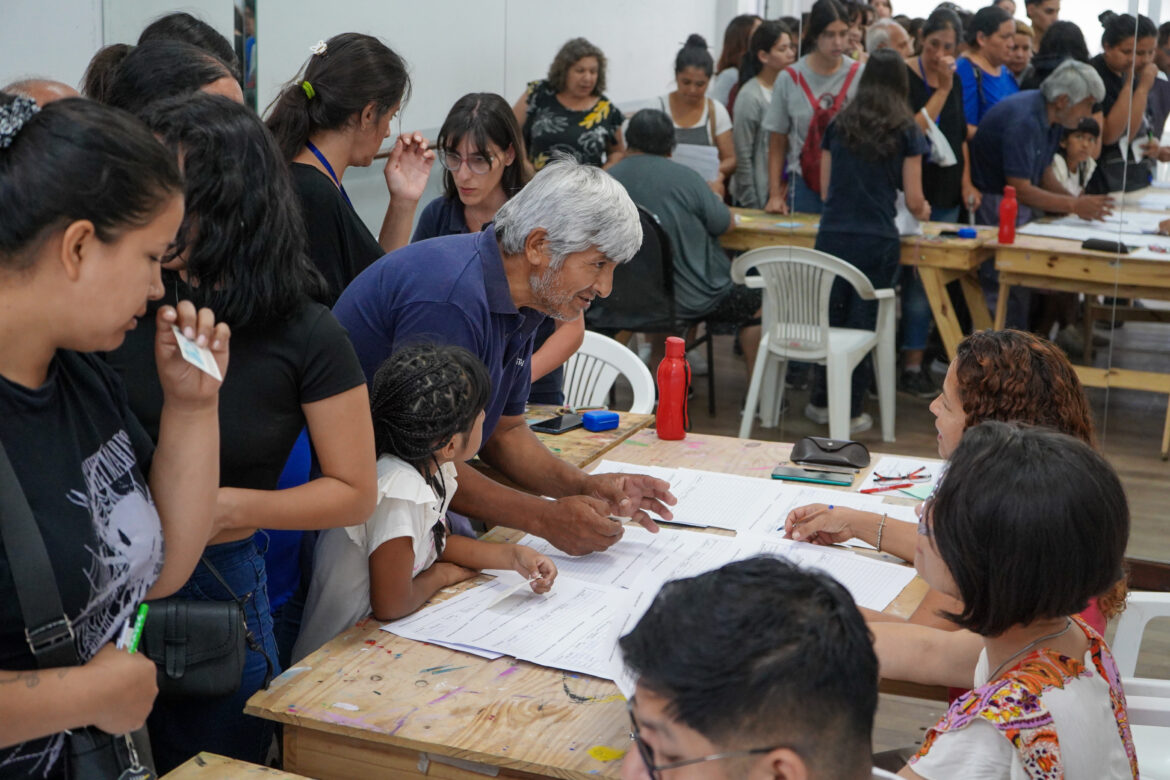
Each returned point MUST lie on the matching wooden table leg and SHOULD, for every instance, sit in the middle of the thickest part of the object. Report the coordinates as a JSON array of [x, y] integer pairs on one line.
[[935, 284], [976, 301], [1001, 305], [1166, 434]]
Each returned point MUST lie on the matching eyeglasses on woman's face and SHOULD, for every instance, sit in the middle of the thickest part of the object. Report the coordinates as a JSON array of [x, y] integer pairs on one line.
[[478, 164]]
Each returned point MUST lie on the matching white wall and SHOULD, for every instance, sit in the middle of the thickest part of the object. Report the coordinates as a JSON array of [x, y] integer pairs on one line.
[[123, 20], [48, 38]]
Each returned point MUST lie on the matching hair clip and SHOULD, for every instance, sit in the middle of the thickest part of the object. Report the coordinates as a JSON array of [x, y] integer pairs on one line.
[[13, 116], [318, 48], [310, 93]]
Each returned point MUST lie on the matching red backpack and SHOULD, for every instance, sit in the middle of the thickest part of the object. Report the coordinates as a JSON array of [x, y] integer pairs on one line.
[[810, 153]]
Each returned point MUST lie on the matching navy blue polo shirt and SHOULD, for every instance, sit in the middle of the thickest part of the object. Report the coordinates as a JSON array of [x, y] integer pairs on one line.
[[1013, 139], [448, 290], [443, 216]]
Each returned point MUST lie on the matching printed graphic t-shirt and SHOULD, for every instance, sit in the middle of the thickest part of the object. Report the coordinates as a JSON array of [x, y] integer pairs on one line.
[[80, 457]]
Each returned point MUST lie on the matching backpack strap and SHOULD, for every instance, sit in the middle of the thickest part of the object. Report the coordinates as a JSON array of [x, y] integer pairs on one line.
[[840, 99], [799, 79], [711, 119]]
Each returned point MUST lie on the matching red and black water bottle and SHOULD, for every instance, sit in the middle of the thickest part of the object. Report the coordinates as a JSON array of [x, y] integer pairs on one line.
[[1008, 208], [674, 382]]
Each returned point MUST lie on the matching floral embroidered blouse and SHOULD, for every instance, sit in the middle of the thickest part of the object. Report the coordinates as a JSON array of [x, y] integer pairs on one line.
[[1050, 717], [551, 127]]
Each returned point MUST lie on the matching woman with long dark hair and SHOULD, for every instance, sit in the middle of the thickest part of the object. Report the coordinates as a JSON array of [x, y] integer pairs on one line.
[[772, 49], [871, 150], [822, 79], [736, 40], [334, 116], [91, 202], [241, 248], [161, 69]]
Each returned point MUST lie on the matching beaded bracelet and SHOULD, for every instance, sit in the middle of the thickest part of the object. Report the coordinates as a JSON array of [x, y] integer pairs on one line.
[[881, 527]]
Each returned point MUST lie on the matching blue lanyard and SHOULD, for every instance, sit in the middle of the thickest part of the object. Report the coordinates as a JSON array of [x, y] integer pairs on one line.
[[329, 169]]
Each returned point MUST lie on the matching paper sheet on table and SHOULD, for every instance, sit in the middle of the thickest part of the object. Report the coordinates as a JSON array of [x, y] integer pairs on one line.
[[620, 673], [890, 466], [641, 559], [1128, 221], [872, 583], [702, 159], [616, 467], [573, 627]]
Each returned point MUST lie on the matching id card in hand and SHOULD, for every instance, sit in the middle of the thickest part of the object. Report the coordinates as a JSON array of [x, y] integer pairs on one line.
[[198, 356]]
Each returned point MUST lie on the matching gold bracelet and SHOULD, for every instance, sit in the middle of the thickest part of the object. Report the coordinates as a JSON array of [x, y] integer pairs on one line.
[[881, 527]]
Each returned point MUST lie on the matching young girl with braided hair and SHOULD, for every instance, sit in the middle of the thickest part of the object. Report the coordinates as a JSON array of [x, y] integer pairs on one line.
[[427, 403]]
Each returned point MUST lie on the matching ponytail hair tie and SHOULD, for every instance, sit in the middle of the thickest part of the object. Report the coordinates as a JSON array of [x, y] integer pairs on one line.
[[310, 93], [13, 116]]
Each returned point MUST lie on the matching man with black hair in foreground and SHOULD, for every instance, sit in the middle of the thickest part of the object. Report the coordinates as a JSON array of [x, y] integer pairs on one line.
[[754, 670]]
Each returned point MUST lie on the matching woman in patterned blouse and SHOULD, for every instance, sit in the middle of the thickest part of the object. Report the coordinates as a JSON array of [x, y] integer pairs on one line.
[[568, 112]]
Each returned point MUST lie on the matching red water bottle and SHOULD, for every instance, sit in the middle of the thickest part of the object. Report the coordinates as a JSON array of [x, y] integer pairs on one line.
[[674, 381], [1008, 208]]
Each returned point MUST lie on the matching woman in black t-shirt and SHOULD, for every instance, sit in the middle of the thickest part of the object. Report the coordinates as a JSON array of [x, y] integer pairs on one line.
[[241, 249], [337, 115], [90, 202], [1124, 107]]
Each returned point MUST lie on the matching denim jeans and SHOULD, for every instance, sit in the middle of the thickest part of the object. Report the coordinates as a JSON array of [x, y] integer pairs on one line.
[[801, 198], [180, 728], [877, 258]]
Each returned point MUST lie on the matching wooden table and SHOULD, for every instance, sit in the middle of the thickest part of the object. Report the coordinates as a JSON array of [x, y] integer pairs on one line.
[[581, 446], [373, 705], [210, 766], [939, 261], [1061, 264]]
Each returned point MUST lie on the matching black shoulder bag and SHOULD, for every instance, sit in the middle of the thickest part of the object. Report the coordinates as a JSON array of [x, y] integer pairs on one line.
[[89, 752]]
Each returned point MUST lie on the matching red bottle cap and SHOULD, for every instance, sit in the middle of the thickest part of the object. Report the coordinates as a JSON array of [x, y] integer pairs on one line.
[[675, 347], [1009, 191]]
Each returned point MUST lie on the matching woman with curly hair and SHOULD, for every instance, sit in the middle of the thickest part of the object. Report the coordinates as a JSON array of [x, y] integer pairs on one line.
[[1006, 375], [568, 111]]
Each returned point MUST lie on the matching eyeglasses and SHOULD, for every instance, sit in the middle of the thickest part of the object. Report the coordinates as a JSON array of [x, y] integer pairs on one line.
[[477, 163], [655, 771]]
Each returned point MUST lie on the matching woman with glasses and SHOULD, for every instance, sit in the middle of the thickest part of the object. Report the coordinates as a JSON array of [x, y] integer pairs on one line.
[[568, 112], [1007, 375], [482, 155], [336, 116], [1025, 527]]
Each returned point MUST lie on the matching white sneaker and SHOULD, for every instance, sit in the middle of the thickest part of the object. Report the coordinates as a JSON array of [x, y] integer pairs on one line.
[[861, 423], [820, 415], [698, 360]]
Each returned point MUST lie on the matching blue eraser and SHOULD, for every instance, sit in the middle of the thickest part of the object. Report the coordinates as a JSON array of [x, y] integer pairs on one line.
[[600, 420], [968, 232]]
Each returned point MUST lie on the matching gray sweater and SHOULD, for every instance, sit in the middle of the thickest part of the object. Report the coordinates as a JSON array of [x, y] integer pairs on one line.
[[749, 183]]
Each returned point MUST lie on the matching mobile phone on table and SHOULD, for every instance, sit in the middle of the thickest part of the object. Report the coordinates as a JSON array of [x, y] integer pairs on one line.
[[559, 424], [797, 474]]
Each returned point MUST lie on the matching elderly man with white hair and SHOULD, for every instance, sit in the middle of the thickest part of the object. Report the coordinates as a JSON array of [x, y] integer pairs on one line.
[[1018, 138], [888, 34], [1015, 144], [551, 250]]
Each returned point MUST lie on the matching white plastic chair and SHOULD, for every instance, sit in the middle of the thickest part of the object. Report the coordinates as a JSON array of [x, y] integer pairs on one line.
[[1147, 699], [797, 283], [591, 371]]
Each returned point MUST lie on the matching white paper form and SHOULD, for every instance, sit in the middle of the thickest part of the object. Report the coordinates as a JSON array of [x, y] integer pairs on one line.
[[621, 674], [642, 560], [873, 584], [616, 467], [573, 627], [731, 501]]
